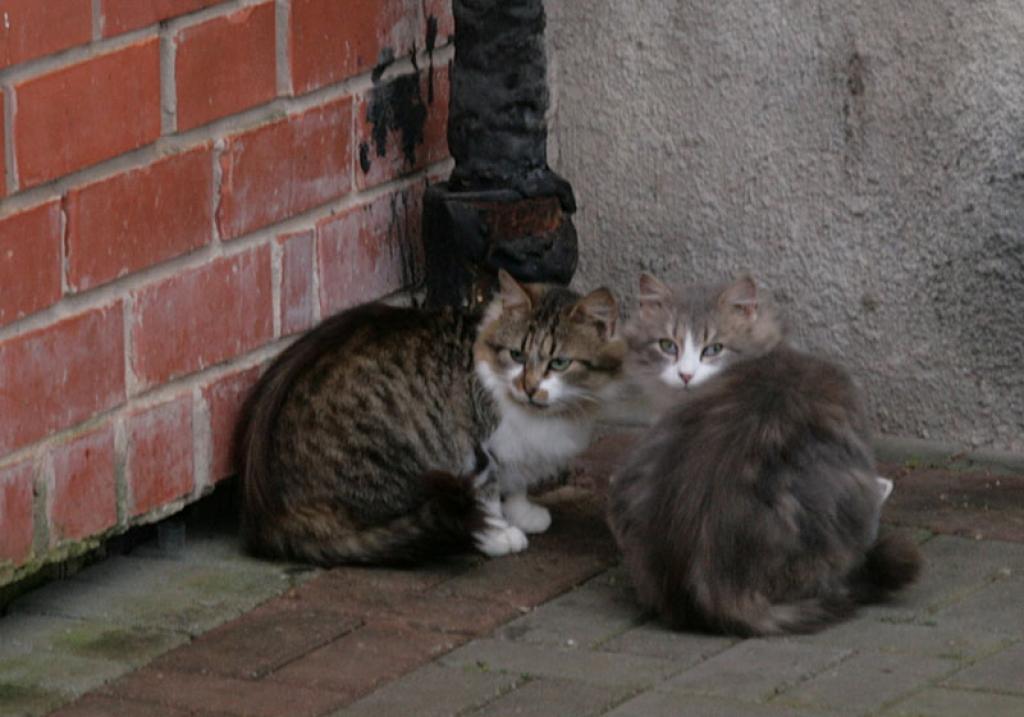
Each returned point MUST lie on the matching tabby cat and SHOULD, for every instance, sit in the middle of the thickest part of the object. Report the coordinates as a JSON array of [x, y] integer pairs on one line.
[[390, 435], [752, 505]]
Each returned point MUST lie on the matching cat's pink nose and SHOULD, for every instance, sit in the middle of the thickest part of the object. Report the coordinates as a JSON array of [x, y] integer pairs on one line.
[[687, 377]]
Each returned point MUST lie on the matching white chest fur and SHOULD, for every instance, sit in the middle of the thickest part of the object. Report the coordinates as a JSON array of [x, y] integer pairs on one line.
[[528, 445]]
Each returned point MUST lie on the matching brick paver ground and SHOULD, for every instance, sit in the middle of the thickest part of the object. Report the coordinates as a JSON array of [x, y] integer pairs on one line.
[[205, 631]]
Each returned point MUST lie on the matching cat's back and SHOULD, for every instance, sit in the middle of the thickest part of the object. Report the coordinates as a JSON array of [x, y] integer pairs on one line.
[[776, 398]]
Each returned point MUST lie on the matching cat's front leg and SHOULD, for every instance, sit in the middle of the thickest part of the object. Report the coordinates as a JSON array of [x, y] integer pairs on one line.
[[517, 507], [498, 537], [529, 517]]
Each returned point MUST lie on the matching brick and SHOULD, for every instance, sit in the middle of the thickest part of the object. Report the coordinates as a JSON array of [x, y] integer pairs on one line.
[[370, 251], [331, 41], [224, 398], [757, 669], [139, 218], [84, 500], [401, 126], [32, 29], [361, 660], [258, 643], [660, 704], [433, 691], [159, 460], [3, 143], [201, 317], [30, 261], [221, 695], [85, 113], [92, 705], [596, 668], [890, 676], [124, 15], [556, 697], [440, 22], [954, 703], [225, 65], [285, 168], [60, 375], [16, 520], [297, 251], [998, 673]]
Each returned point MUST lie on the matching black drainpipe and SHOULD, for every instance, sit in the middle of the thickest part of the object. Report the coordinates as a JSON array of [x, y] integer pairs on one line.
[[502, 207]]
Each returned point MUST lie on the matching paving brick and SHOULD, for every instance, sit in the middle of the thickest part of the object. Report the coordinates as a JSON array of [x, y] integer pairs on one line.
[[955, 703], [285, 168], [662, 704], [370, 251], [30, 260], [123, 15], [866, 634], [16, 499], [259, 642], [297, 295], [591, 667], [756, 669], [211, 693], [401, 126], [954, 568], [995, 608], [361, 660], [84, 499], [159, 461], [224, 398], [59, 673], [331, 41], [102, 706], [60, 375], [583, 617], [31, 30], [175, 595], [19, 699], [999, 673], [841, 690], [139, 218], [87, 112], [432, 691], [654, 640], [547, 697], [203, 316], [225, 65]]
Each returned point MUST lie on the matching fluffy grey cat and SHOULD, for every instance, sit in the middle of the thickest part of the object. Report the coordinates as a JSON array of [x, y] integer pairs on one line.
[[752, 506], [393, 434]]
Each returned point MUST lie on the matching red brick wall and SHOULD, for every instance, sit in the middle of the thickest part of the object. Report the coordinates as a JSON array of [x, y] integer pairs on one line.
[[185, 184]]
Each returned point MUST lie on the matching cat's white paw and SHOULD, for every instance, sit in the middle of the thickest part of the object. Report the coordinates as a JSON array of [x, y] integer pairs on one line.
[[884, 487], [529, 517], [500, 538]]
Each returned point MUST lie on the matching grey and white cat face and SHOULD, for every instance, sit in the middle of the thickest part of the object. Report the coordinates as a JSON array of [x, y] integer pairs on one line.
[[548, 350], [680, 338]]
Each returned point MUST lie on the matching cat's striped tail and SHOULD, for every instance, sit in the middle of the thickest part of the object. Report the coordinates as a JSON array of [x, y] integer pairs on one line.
[[444, 523], [892, 563]]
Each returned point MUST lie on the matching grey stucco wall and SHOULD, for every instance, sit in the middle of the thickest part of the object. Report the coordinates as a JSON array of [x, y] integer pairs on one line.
[[863, 158]]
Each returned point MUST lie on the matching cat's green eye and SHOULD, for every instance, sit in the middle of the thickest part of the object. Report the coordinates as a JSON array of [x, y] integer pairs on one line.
[[668, 346], [517, 355], [712, 350], [559, 364]]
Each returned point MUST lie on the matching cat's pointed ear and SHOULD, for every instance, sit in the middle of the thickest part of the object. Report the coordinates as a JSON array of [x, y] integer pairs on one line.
[[600, 307], [653, 291], [741, 295], [513, 294]]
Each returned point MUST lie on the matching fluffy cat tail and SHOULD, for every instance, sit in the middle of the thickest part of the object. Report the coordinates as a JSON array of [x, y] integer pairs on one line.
[[891, 564]]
